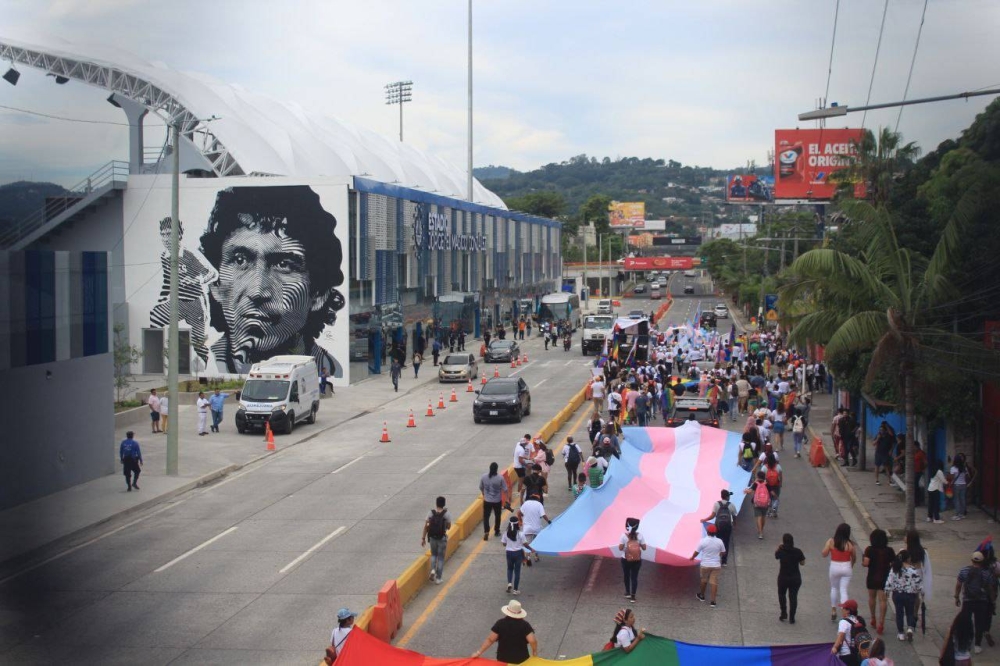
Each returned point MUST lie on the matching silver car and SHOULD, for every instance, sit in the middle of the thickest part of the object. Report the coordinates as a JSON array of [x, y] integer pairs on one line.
[[458, 368]]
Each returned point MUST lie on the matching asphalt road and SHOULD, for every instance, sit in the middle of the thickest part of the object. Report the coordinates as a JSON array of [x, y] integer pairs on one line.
[[571, 602], [253, 568]]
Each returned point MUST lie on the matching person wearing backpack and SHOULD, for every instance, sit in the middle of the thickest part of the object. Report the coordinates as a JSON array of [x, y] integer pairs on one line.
[[712, 550], [722, 512], [773, 478], [748, 453], [761, 501], [131, 458], [631, 545], [975, 591], [436, 532], [572, 455], [853, 640], [798, 432]]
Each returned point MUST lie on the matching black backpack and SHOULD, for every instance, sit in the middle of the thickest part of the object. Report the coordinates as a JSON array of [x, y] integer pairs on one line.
[[550, 459], [436, 525], [975, 585], [573, 457], [861, 640], [724, 517]]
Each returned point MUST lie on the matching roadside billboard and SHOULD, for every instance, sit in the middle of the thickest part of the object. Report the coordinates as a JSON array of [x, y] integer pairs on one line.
[[804, 160], [627, 214], [658, 263], [749, 188], [676, 240]]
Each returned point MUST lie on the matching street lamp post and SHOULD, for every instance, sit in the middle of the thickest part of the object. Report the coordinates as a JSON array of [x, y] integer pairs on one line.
[[399, 92], [836, 110]]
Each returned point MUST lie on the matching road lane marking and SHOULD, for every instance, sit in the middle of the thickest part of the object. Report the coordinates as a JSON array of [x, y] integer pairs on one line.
[[195, 550], [592, 576], [432, 463], [569, 362], [319, 544], [540, 383], [462, 568], [346, 465]]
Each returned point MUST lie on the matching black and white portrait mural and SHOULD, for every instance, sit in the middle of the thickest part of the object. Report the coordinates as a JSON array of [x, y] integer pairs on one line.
[[265, 276]]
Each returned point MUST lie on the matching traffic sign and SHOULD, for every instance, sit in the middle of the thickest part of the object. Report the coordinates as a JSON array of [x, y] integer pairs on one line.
[[772, 315]]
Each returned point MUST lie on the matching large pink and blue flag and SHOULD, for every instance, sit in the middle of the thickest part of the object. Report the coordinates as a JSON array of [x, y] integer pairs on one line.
[[668, 478]]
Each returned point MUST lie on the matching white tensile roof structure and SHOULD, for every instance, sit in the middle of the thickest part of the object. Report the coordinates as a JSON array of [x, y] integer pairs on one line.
[[253, 133]]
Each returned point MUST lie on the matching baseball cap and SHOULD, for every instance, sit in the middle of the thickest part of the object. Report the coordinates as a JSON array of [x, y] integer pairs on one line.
[[345, 613], [850, 605], [977, 557], [710, 528]]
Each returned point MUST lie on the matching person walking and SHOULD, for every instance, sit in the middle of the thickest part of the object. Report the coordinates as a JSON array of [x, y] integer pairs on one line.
[[417, 360], [722, 512], [521, 459], [202, 404], [761, 501], [493, 487], [597, 390], [962, 475], [436, 532], [848, 632], [774, 478], [625, 635], [131, 458], [164, 412], [216, 402], [345, 623], [935, 486], [711, 549], [572, 455], [531, 514], [975, 592], [154, 410], [733, 398], [798, 424], [885, 442], [840, 549], [513, 636], [877, 558], [395, 370], [790, 559], [436, 351], [904, 582], [515, 550], [631, 545]]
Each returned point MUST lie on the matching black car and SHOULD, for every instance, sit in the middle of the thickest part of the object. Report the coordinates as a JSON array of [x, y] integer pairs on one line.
[[707, 320], [502, 351], [700, 408], [639, 289], [502, 398], [689, 289]]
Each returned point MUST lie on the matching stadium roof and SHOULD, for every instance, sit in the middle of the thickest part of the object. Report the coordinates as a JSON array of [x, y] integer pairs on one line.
[[253, 133]]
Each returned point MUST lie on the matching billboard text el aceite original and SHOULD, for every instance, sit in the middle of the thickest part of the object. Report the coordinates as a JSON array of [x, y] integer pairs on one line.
[[804, 160]]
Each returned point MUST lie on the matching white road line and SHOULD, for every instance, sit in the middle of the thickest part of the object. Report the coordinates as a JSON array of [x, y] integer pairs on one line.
[[194, 550], [592, 576], [540, 383], [432, 463], [319, 544], [569, 362], [346, 465]]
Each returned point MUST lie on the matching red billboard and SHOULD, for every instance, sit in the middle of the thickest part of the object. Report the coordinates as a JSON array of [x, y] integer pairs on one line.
[[742, 188], [804, 160], [658, 263]]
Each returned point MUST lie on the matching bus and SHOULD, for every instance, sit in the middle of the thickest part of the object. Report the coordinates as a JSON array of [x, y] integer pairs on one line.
[[560, 306]]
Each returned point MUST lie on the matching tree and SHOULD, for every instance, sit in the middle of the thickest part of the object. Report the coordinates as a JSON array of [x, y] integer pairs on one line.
[[596, 210], [547, 203], [890, 301], [124, 356], [879, 161]]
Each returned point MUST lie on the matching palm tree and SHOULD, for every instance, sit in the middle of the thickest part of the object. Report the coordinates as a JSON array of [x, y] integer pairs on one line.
[[887, 300], [878, 161]]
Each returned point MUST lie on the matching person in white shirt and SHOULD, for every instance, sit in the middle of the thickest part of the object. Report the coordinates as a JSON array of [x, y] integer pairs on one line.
[[514, 547], [711, 549], [345, 622], [531, 514], [202, 404], [597, 390], [154, 410], [614, 404], [521, 457], [625, 636], [164, 413], [631, 544]]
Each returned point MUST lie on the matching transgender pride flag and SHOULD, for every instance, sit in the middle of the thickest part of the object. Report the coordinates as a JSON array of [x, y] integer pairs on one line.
[[668, 478]]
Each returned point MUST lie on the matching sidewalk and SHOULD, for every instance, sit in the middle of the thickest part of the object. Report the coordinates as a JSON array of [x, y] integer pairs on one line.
[[37, 529], [950, 545]]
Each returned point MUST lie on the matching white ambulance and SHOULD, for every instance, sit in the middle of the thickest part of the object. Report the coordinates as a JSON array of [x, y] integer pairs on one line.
[[282, 391]]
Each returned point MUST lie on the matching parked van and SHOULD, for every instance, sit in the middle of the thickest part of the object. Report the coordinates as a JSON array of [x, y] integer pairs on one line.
[[282, 391]]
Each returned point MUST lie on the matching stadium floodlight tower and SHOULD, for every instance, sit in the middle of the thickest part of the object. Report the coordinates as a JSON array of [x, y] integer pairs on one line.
[[399, 92]]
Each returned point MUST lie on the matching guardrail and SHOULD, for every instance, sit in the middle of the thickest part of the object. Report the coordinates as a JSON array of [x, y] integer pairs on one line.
[[90, 188]]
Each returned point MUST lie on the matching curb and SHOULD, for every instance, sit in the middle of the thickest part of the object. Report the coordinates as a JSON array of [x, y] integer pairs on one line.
[[414, 578], [839, 473]]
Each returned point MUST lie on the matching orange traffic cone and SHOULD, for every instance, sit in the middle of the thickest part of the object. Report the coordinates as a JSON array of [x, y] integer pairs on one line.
[[441, 401], [483, 382], [385, 434], [411, 423], [430, 409], [513, 363], [496, 371], [453, 398], [268, 436], [469, 389], [524, 359]]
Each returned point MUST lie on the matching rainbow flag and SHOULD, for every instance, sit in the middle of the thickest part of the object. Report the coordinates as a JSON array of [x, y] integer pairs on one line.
[[363, 649], [668, 478]]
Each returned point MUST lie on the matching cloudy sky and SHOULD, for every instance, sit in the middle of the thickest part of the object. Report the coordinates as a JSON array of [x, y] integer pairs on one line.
[[704, 83]]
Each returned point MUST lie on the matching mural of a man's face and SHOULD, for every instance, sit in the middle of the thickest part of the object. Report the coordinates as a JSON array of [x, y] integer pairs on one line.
[[264, 290]]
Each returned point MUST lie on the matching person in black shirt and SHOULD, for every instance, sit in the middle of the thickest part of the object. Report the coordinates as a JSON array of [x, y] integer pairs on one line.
[[789, 576], [512, 634], [535, 484]]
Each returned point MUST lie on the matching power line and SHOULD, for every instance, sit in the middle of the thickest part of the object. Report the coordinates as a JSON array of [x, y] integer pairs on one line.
[[65, 118], [913, 61], [829, 70], [878, 47]]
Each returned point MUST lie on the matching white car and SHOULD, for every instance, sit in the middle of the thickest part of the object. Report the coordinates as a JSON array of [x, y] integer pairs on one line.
[[690, 274], [721, 311]]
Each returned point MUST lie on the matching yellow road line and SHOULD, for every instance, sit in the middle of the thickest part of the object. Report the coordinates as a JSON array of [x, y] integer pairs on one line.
[[457, 576]]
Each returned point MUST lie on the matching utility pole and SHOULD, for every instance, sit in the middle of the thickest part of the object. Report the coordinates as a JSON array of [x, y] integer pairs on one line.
[[470, 100], [585, 286], [600, 265], [173, 344]]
